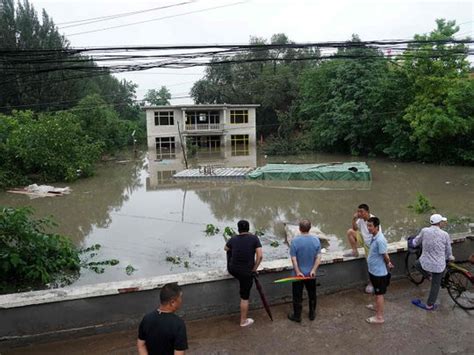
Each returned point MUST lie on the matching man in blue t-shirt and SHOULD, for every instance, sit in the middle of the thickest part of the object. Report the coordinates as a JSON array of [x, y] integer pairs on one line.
[[378, 261], [305, 252]]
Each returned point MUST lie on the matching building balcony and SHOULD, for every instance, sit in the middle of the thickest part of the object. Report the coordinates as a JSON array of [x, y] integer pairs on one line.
[[199, 128]]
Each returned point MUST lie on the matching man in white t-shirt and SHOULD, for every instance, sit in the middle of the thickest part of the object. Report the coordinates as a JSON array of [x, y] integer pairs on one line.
[[359, 235]]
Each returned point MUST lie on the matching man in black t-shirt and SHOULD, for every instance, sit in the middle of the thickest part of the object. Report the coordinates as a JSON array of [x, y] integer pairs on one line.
[[244, 256], [161, 331]]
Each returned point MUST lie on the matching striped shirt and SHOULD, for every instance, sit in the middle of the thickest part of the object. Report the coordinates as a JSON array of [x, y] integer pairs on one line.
[[436, 246]]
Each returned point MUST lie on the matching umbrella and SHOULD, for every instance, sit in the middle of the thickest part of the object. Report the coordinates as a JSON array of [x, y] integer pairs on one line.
[[262, 297], [293, 279]]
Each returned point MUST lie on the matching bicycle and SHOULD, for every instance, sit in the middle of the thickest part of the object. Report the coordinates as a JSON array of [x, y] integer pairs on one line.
[[457, 279]]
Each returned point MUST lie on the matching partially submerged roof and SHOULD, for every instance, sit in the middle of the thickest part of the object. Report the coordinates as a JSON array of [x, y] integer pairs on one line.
[[200, 107], [352, 171]]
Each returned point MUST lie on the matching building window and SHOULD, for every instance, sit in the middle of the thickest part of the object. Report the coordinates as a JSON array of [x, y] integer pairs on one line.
[[239, 116], [164, 118], [240, 144], [165, 147]]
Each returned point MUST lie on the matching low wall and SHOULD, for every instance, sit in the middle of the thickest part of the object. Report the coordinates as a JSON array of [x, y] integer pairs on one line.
[[77, 311]]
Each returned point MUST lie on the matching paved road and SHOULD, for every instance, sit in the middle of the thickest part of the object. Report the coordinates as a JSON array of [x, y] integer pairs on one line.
[[338, 329]]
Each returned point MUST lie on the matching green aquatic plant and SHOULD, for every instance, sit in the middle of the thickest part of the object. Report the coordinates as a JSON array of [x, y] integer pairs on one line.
[[275, 243], [259, 232], [211, 229], [422, 204], [130, 270], [174, 259], [229, 232]]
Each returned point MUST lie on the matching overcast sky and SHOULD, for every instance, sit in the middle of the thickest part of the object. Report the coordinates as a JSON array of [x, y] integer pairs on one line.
[[235, 21]]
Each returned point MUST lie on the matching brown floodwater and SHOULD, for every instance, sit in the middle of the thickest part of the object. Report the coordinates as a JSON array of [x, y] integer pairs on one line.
[[141, 216]]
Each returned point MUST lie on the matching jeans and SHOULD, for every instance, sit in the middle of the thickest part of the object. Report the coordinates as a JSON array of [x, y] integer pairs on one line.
[[436, 278]]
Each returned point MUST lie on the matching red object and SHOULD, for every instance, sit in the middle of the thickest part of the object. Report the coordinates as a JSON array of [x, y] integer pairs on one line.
[[262, 297]]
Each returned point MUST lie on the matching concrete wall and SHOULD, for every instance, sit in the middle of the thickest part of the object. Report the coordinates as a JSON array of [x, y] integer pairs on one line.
[[75, 311]]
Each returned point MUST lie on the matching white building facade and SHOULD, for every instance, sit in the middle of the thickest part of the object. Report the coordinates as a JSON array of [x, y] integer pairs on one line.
[[213, 127]]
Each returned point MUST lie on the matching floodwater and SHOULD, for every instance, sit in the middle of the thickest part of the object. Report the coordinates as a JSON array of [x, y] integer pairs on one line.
[[141, 216]]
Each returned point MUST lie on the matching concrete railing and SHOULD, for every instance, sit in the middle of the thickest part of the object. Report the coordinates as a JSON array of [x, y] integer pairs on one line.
[[204, 127], [85, 310]]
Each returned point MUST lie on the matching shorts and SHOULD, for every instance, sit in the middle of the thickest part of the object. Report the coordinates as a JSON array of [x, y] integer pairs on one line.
[[361, 242], [380, 283], [245, 281]]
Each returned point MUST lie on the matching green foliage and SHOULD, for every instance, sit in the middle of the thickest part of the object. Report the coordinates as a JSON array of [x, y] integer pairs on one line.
[[49, 147], [191, 149], [130, 270], [273, 84], [30, 257], [158, 97], [274, 244], [421, 204], [259, 232], [174, 259], [59, 81], [228, 232], [441, 116], [211, 230]]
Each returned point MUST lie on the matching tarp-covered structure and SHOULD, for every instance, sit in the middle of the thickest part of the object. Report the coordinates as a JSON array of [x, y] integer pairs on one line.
[[352, 171]]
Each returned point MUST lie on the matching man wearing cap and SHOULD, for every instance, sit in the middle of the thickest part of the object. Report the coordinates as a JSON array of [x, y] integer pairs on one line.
[[436, 249]]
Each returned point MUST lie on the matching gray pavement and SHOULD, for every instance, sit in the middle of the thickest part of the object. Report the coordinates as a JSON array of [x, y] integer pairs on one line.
[[339, 328]]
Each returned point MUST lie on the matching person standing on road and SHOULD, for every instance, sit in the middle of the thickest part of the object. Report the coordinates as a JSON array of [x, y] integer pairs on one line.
[[379, 265], [359, 235], [245, 254], [436, 250], [162, 332], [305, 252]]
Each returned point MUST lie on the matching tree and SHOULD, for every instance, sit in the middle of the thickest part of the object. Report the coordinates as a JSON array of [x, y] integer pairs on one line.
[[440, 118], [342, 100], [260, 76], [158, 97]]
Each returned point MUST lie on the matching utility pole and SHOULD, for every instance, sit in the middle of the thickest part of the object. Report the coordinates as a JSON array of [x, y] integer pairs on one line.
[[182, 147]]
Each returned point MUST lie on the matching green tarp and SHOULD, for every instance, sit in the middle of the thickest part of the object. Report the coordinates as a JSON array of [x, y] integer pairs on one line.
[[355, 171]]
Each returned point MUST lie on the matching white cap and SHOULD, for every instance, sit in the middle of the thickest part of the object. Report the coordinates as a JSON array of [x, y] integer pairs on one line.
[[437, 218]]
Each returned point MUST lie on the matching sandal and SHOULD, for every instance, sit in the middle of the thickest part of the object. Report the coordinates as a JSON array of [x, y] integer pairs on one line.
[[417, 302], [248, 321], [374, 320], [370, 306]]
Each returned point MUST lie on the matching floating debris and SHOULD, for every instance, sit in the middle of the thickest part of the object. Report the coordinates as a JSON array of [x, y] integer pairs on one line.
[[35, 191]]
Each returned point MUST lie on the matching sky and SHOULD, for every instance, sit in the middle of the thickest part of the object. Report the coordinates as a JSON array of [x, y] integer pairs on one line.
[[186, 22]]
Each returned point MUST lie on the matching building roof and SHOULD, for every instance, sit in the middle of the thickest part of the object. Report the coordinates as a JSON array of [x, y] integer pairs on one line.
[[208, 106]]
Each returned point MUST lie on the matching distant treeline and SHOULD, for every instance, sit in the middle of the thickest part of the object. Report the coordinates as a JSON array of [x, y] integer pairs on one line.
[[418, 105], [55, 124]]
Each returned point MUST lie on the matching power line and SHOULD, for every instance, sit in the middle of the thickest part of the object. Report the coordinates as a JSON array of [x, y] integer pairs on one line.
[[113, 17], [157, 19]]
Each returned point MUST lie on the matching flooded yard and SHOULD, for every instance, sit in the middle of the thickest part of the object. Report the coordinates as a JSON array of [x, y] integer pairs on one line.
[[141, 216]]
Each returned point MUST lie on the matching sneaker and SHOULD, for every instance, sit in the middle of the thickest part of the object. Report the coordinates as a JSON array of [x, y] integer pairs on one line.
[[293, 318], [248, 321]]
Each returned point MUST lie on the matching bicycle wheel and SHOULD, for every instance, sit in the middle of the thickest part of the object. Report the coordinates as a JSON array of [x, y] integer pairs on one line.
[[460, 289], [413, 274]]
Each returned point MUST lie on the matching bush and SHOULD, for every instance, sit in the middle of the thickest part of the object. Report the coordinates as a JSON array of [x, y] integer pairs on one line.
[[50, 147], [30, 257]]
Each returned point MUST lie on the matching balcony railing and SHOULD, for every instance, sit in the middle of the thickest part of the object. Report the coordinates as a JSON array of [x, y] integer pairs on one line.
[[204, 127]]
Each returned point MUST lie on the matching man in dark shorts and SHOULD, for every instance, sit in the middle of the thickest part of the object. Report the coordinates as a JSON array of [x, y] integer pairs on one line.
[[378, 261], [244, 256], [162, 331]]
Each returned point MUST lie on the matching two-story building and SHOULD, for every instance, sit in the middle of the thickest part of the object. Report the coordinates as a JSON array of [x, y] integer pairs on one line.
[[213, 126]]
